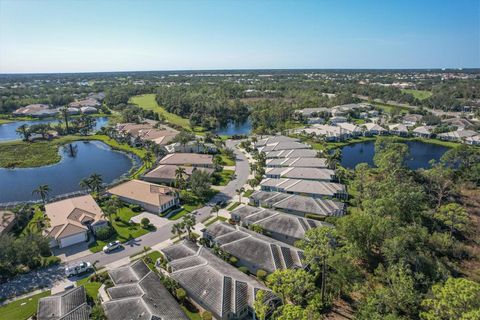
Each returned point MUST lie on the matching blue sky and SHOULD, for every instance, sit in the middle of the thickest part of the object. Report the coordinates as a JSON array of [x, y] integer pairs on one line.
[[80, 36]]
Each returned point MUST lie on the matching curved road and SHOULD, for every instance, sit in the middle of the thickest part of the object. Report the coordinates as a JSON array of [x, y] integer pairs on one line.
[[48, 277]]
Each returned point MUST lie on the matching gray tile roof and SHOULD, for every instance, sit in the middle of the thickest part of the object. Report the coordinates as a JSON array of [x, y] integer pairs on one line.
[[297, 162], [255, 248], [320, 174], [129, 274], [307, 187], [67, 305], [298, 203], [145, 299], [286, 145], [278, 222], [213, 283], [273, 139], [292, 153]]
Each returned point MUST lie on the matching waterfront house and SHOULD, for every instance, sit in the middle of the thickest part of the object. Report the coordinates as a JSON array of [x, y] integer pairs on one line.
[[167, 174], [188, 159], [398, 129]]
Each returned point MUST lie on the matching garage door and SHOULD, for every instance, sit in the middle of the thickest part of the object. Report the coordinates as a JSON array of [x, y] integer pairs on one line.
[[73, 239]]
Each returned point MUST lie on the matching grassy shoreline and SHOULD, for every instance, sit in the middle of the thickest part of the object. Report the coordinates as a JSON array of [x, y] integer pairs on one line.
[[20, 154]]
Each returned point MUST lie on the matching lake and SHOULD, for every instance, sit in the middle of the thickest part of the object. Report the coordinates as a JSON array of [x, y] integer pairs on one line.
[[7, 130], [63, 177], [420, 154], [235, 129]]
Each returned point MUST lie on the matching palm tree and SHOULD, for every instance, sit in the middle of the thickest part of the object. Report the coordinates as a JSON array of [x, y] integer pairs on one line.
[[148, 158], [180, 177], [239, 192], [96, 182], [178, 229], [216, 209], [85, 184], [189, 222], [64, 115], [24, 132], [43, 191], [252, 183]]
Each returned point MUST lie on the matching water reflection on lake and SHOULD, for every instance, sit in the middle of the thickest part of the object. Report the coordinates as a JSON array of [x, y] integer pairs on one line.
[[235, 129], [79, 160], [8, 130], [420, 154]]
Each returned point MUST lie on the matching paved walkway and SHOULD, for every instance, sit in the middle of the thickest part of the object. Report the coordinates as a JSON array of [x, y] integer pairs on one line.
[[49, 277]]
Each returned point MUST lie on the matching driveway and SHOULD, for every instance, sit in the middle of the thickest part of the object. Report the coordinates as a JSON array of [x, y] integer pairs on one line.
[[49, 277], [155, 219]]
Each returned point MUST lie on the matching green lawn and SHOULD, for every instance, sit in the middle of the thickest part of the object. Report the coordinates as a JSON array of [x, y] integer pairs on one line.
[[21, 309], [233, 206], [148, 102], [226, 161], [124, 230], [154, 255], [192, 315], [3, 121], [390, 108], [20, 154], [187, 208], [215, 220], [91, 287], [35, 224], [225, 177], [418, 94], [248, 193]]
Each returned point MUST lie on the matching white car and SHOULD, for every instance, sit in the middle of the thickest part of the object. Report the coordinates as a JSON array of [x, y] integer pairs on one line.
[[112, 246], [76, 269]]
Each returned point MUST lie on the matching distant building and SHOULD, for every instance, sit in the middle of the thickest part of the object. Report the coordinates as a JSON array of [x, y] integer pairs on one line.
[[422, 132], [7, 221], [474, 140], [88, 102], [337, 119], [152, 197], [66, 305], [411, 119], [458, 135], [36, 111], [374, 129], [88, 110], [398, 129]]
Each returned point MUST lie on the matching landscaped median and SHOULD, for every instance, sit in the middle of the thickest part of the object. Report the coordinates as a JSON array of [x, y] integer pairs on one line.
[[21, 154]]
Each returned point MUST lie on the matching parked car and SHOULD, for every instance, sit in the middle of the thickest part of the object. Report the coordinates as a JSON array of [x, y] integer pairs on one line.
[[112, 246], [79, 268]]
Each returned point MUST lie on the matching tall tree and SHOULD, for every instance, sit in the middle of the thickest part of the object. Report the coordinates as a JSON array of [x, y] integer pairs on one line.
[[96, 182], [43, 191], [24, 131]]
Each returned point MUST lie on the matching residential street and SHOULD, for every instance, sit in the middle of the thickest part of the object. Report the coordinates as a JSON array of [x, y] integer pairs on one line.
[[48, 277]]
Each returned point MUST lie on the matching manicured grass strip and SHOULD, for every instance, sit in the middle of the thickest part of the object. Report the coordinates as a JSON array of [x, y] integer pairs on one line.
[[233, 206], [418, 94], [154, 255], [215, 220], [3, 121], [248, 193], [225, 177], [226, 161], [91, 287], [186, 209], [21, 309], [192, 315]]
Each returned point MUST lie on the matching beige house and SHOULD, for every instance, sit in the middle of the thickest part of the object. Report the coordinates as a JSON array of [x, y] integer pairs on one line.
[[152, 197], [188, 159], [7, 221], [166, 174], [72, 219]]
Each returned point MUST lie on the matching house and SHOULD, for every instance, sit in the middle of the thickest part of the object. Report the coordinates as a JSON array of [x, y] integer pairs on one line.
[[88, 110], [147, 131], [36, 110], [277, 225], [188, 159], [374, 129], [253, 250], [318, 174], [337, 119], [422, 132], [66, 305], [475, 140], [313, 112], [296, 162], [459, 123], [287, 145], [152, 197], [99, 96], [7, 221], [73, 111], [458, 135], [398, 129], [213, 284], [139, 294], [315, 189], [166, 173], [71, 219], [328, 132], [88, 102], [292, 153], [351, 129], [192, 147], [411, 119], [315, 120], [298, 204]]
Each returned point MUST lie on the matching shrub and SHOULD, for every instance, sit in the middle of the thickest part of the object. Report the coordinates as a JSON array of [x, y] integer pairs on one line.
[[104, 233], [261, 274], [243, 269], [233, 260], [313, 216], [145, 222], [181, 294], [206, 315], [137, 208]]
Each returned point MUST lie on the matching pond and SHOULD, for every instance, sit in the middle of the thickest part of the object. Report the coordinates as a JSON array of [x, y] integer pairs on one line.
[[420, 154], [79, 160], [234, 128], [8, 133]]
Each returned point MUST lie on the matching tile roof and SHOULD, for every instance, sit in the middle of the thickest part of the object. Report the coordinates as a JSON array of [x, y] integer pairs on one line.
[[297, 162], [318, 188], [187, 159], [67, 305], [292, 153], [301, 173], [146, 192]]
